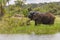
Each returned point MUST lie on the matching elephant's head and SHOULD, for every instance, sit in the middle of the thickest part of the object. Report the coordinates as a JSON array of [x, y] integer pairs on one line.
[[33, 15], [30, 15]]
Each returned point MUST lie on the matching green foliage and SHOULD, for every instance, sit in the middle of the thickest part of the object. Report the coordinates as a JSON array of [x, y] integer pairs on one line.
[[0, 0], [46, 7], [17, 25], [11, 24], [25, 12], [19, 3]]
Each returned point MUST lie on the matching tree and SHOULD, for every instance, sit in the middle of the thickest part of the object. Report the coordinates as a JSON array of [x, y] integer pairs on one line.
[[2, 5]]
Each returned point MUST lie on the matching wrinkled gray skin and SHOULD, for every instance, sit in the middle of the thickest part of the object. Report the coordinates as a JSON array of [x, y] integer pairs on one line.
[[33, 16], [39, 18]]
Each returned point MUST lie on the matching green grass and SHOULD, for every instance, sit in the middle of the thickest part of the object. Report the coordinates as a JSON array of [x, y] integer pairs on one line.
[[13, 26]]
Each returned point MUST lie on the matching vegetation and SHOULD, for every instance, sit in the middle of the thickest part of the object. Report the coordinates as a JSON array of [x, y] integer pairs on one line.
[[14, 26], [10, 24]]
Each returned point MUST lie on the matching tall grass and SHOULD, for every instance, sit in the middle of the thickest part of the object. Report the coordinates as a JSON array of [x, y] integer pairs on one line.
[[18, 26]]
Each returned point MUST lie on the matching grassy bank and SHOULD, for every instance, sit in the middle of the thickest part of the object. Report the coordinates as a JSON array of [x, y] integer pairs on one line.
[[12, 26]]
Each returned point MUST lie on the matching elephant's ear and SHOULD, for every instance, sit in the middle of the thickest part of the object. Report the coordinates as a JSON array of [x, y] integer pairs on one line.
[[35, 16]]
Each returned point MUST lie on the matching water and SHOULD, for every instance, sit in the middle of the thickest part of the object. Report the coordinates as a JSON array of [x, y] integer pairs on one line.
[[29, 37]]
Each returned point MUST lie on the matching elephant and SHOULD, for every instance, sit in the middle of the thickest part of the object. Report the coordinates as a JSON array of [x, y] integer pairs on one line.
[[48, 18], [41, 18]]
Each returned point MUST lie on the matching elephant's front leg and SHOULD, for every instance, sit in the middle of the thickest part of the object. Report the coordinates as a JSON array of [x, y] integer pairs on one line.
[[36, 22]]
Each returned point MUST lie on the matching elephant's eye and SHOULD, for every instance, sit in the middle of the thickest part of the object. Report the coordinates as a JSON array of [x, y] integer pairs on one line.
[[34, 16]]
